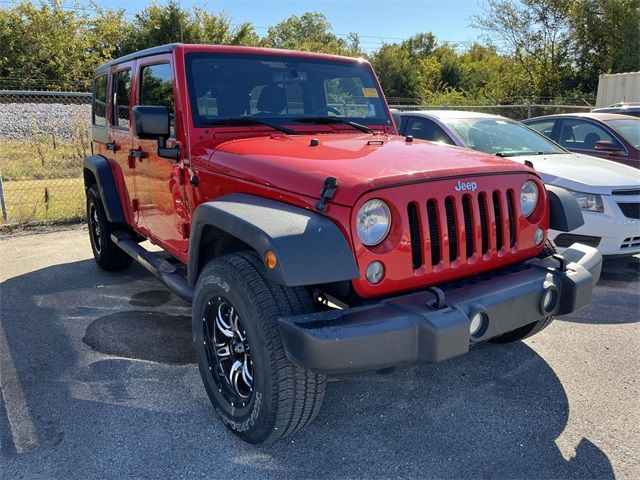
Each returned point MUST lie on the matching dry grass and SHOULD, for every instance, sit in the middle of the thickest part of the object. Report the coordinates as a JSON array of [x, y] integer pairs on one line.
[[43, 200], [43, 155], [42, 176]]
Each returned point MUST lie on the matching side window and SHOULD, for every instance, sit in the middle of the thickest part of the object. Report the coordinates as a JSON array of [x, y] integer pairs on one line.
[[426, 129], [545, 127], [99, 111], [121, 92], [583, 135], [156, 88]]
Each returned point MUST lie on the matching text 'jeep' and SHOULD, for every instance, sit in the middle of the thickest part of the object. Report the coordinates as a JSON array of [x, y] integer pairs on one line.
[[309, 237]]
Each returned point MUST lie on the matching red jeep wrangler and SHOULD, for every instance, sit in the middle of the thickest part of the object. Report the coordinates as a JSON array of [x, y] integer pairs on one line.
[[309, 237]]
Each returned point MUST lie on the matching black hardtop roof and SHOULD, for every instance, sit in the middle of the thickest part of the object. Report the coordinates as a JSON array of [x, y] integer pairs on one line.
[[132, 56]]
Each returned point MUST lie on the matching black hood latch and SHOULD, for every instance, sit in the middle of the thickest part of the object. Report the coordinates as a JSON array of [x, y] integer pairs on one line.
[[328, 191]]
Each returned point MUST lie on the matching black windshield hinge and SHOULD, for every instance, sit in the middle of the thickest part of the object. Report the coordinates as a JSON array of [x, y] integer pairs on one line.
[[328, 191]]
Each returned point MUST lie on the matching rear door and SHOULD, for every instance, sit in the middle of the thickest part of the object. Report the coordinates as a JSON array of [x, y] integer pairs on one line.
[[160, 181]]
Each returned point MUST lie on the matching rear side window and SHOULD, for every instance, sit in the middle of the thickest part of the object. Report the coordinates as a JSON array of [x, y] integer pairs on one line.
[[99, 115], [156, 88], [544, 127], [121, 92], [583, 135]]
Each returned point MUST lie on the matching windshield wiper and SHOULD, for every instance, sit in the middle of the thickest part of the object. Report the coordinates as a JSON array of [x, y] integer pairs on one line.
[[329, 120], [519, 154], [251, 121]]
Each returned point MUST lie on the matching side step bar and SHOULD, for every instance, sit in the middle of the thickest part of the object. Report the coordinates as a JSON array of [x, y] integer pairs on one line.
[[157, 265]]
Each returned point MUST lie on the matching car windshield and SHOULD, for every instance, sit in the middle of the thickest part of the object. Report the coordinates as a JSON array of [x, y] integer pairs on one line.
[[500, 136], [227, 88], [628, 128]]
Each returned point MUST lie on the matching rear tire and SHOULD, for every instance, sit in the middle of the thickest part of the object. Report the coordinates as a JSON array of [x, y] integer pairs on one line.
[[107, 254], [535, 327], [253, 386]]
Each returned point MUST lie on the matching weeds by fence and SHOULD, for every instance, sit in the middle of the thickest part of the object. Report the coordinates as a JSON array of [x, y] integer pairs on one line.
[[44, 136]]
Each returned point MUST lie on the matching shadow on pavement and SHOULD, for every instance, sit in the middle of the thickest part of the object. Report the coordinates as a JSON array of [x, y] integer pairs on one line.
[[493, 413], [624, 269]]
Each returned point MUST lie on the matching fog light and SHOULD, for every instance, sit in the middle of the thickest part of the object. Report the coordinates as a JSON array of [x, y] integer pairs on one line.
[[539, 236], [549, 300], [478, 321], [375, 272]]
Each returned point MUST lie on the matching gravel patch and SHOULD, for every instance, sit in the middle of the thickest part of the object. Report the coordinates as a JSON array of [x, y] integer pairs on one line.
[[21, 121]]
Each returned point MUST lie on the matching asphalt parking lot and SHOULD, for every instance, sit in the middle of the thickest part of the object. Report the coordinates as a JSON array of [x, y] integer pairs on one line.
[[98, 380]]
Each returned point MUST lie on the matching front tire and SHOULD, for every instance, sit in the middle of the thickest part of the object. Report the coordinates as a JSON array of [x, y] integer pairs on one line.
[[107, 254], [256, 391]]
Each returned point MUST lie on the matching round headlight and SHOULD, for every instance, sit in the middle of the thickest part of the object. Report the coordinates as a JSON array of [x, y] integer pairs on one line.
[[373, 222], [528, 197]]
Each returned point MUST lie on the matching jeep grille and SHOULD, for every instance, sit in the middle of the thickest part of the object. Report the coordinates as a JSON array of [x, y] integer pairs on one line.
[[450, 226]]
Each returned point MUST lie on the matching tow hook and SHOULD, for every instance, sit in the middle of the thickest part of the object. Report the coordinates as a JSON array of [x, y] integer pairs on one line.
[[440, 300], [561, 260]]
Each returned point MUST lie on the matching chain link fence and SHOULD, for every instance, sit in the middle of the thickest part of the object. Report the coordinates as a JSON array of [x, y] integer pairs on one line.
[[44, 136], [517, 112]]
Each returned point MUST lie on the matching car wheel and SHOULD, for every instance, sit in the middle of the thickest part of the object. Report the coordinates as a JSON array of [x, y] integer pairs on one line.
[[106, 253], [255, 389]]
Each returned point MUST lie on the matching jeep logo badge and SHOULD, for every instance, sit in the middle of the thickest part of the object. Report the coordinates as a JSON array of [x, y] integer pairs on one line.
[[466, 186]]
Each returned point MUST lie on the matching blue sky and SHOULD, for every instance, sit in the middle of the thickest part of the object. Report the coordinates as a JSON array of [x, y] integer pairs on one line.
[[374, 20]]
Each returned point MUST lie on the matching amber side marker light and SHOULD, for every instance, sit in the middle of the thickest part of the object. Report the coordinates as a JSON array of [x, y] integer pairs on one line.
[[270, 259]]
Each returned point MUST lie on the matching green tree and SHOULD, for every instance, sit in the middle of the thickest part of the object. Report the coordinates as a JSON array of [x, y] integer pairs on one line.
[[311, 32], [48, 46], [607, 38], [537, 33], [399, 73], [218, 30], [420, 45]]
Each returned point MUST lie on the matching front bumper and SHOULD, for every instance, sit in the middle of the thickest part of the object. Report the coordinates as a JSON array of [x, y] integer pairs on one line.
[[418, 327]]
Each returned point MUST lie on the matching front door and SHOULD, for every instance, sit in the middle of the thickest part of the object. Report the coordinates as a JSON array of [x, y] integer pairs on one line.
[[160, 181], [121, 136]]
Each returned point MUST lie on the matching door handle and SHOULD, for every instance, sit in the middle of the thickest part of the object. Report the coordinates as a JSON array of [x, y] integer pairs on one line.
[[114, 147], [139, 154]]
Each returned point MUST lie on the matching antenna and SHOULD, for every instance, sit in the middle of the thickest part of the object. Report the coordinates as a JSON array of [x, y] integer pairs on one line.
[[180, 21]]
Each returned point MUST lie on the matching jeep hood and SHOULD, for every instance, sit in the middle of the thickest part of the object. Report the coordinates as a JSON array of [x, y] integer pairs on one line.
[[359, 162], [582, 172]]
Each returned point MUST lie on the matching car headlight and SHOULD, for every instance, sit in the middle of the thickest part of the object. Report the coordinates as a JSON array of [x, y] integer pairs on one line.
[[591, 202], [373, 222], [528, 197]]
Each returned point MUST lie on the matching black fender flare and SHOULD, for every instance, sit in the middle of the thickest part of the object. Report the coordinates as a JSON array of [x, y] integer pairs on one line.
[[310, 248], [101, 170], [565, 214]]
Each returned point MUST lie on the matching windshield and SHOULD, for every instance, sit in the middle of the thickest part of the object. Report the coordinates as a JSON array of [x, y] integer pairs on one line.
[[628, 128], [502, 137], [281, 90]]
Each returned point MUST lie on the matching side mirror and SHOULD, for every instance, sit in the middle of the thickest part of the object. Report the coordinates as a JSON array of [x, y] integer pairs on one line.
[[607, 146], [152, 122]]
